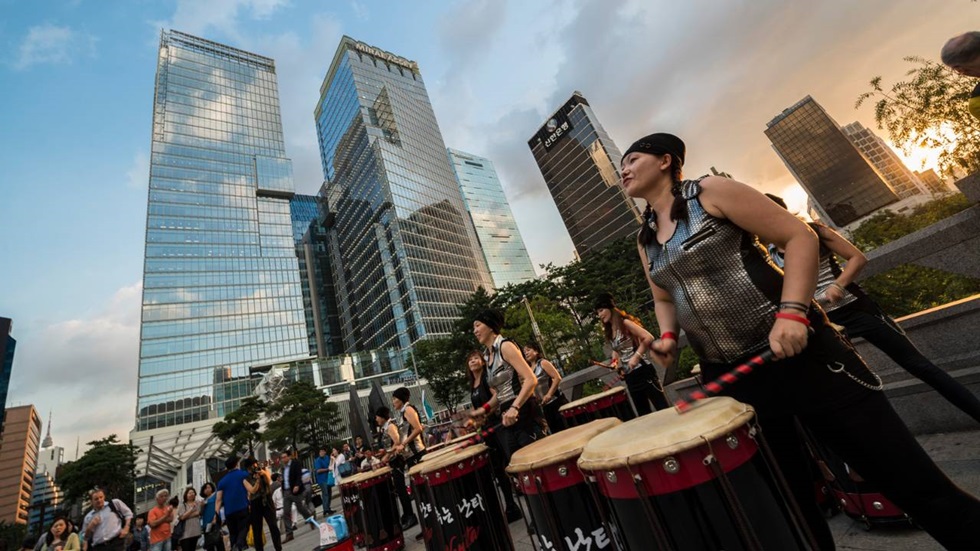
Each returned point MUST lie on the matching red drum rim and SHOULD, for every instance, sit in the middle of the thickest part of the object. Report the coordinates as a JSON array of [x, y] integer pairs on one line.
[[375, 477], [550, 479], [681, 471], [452, 468], [593, 406]]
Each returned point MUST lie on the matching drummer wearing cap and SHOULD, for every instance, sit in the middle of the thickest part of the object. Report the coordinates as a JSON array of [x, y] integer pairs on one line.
[[512, 381], [710, 276]]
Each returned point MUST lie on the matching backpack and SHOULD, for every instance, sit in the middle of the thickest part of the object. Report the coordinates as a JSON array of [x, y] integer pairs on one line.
[[112, 507]]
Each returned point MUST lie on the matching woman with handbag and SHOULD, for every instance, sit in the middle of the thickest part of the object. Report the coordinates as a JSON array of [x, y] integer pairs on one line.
[[188, 528], [259, 487], [209, 520]]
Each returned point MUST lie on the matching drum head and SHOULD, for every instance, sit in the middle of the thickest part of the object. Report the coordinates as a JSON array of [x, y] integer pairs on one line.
[[561, 446], [664, 433], [446, 459], [447, 447], [592, 398], [352, 479], [368, 475]]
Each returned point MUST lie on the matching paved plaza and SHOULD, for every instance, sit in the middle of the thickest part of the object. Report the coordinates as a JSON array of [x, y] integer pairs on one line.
[[958, 454]]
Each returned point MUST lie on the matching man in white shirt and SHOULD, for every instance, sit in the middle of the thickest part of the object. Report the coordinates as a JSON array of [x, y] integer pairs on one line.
[[106, 526]]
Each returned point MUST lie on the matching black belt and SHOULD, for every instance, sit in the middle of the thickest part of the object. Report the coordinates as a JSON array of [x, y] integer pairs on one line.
[[106, 542]]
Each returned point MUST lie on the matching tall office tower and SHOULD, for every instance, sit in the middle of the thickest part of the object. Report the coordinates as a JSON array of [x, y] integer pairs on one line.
[[490, 212], [303, 210], [932, 181], [826, 164], [7, 346], [221, 289], [406, 251], [18, 461], [47, 498], [898, 176], [580, 165]]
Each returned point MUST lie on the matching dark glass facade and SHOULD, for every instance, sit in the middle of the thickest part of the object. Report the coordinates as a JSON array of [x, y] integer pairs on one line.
[[221, 289], [303, 210], [7, 346], [580, 165], [842, 183], [899, 178], [501, 242], [403, 250]]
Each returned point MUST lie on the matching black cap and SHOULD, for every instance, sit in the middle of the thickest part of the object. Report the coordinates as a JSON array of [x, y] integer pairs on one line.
[[492, 319], [659, 144], [604, 300]]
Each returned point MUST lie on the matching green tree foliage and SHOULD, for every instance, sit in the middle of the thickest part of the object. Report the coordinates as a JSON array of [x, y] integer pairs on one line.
[[108, 464], [441, 361], [301, 418], [908, 289], [240, 428], [929, 110], [12, 534]]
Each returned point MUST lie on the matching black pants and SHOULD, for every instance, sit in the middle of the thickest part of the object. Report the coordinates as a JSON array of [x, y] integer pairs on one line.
[[521, 433], [861, 427], [398, 471], [499, 472], [189, 544], [644, 388], [864, 319], [237, 529], [551, 414], [258, 510]]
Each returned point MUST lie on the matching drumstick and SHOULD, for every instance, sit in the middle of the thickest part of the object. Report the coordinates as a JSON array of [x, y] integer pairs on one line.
[[715, 387], [619, 373], [478, 437]]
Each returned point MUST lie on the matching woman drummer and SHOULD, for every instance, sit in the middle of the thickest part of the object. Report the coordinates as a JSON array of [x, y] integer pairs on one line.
[[513, 384], [547, 393], [630, 342], [710, 277], [480, 394]]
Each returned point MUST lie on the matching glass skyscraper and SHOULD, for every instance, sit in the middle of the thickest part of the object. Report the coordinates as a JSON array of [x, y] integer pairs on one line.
[[405, 250], [903, 181], [221, 288], [842, 183], [7, 346], [503, 248], [580, 165]]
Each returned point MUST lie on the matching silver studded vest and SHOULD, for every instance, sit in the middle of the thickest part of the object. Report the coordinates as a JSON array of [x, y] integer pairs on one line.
[[623, 344], [501, 375], [724, 286]]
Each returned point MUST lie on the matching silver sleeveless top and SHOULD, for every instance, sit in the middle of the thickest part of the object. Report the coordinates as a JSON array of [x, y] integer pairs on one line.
[[826, 274], [386, 440], [501, 375], [404, 429], [544, 380], [725, 288], [622, 343]]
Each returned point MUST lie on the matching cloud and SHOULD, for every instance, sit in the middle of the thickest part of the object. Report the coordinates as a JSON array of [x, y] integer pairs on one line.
[[83, 369], [48, 43], [201, 18], [138, 176]]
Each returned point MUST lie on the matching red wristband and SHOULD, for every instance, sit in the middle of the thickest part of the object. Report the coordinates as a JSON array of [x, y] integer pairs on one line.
[[669, 335], [486, 407], [793, 317]]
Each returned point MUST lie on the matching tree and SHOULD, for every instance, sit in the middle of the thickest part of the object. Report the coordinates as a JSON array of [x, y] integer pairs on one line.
[[240, 428], [108, 464], [929, 110], [12, 534], [442, 361], [301, 418]]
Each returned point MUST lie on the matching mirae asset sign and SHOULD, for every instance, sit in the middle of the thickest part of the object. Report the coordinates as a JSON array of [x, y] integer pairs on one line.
[[389, 57]]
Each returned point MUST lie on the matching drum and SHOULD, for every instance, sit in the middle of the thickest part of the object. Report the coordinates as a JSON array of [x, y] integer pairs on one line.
[[564, 512], [698, 480], [351, 503], [458, 502], [451, 446], [378, 510], [614, 402]]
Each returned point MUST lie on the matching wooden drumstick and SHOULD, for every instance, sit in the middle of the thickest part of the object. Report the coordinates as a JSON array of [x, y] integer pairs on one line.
[[619, 372], [715, 387]]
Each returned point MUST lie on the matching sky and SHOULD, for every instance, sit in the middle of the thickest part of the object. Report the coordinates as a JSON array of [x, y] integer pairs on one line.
[[76, 92]]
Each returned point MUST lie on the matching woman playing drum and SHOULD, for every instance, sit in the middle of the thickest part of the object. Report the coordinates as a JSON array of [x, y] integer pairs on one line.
[[710, 277], [630, 342], [547, 392], [481, 393]]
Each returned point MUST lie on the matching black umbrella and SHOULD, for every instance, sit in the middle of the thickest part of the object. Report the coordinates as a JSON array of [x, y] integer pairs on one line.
[[358, 424]]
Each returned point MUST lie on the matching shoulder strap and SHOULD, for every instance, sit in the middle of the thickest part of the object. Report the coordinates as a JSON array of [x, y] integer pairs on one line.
[[691, 188], [112, 507]]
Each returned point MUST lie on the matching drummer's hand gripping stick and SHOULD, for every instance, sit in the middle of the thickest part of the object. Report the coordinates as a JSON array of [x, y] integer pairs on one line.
[[479, 437], [716, 387]]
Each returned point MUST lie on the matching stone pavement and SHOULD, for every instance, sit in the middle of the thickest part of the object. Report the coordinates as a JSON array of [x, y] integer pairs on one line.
[[958, 454]]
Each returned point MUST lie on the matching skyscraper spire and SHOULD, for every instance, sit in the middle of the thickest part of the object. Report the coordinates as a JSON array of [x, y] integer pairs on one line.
[[47, 443]]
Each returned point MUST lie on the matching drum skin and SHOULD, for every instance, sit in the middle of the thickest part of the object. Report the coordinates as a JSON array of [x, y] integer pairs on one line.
[[558, 499], [664, 478], [611, 403]]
